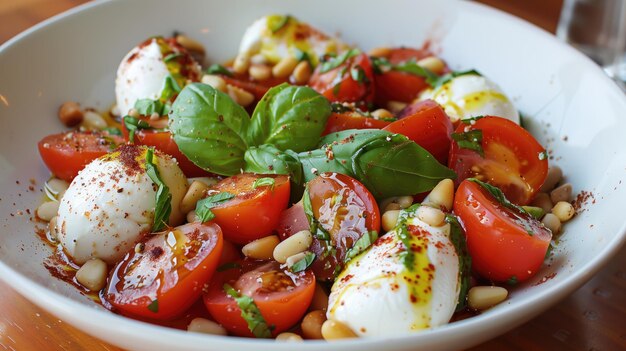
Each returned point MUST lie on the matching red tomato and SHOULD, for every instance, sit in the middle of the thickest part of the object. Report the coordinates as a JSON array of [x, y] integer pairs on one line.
[[281, 296], [292, 220], [514, 161], [352, 120], [252, 213], [68, 153], [256, 88], [346, 210], [403, 54], [171, 270], [338, 84], [504, 243], [426, 124]]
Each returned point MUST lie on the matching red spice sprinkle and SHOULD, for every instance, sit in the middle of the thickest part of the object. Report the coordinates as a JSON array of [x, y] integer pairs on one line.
[[582, 199]]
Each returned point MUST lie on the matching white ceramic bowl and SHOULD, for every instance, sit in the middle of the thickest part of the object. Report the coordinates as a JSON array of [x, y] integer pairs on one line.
[[574, 110]]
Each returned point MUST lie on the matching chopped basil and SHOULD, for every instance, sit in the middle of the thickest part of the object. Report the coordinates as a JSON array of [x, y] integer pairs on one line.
[[219, 69], [154, 306], [304, 263], [358, 75], [276, 23], [250, 313], [361, 245], [407, 256], [498, 195], [302, 56], [204, 206], [133, 124], [339, 107], [412, 67], [147, 107], [471, 120], [228, 266], [113, 131], [543, 155], [335, 62], [549, 251], [172, 56], [471, 140], [512, 280], [465, 260], [170, 88], [163, 206], [448, 77], [264, 182], [536, 212]]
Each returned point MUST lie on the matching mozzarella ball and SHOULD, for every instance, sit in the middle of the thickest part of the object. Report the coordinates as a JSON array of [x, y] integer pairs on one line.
[[110, 205], [472, 95], [142, 73], [377, 294]]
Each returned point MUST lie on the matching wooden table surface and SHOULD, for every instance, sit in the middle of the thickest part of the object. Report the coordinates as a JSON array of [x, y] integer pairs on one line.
[[593, 318]]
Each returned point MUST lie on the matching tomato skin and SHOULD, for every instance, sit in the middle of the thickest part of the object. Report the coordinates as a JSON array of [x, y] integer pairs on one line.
[[66, 154], [403, 54], [282, 309], [427, 125], [256, 88], [512, 159], [352, 120], [252, 213], [199, 246], [338, 84], [292, 220], [398, 86], [497, 239]]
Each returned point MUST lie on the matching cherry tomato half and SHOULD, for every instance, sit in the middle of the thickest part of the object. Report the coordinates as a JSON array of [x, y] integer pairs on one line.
[[66, 154], [352, 120], [428, 126], [513, 160], [256, 88], [352, 81], [167, 277], [292, 220], [504, 243], [254, 212], [281, 296]]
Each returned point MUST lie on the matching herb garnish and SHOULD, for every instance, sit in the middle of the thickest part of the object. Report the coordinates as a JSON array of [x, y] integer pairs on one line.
[[163, 206], [361, 245], [499, 195], [465, 260], [335, 62], [171, 57], [170, 88], [133, 124], [471, 140], [148, 107], [219, 69], [250, 313], [204, 206], [154, 306], [304, 263], [227, 266], [276, 23], [264, 182]]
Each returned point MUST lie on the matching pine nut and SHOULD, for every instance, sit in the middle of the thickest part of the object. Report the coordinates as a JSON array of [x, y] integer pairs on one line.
[[291, 260], [70, 114], [381, 113], [395, 106], [432, 63], [93, 120], [258, 59], [483, 297], [564, 211], [302, 72], [191, 217], [392, 207], [215, 81], [239, 95], [93, 274], [552, 222], [208, 181], [543, 201], [194, 194], [380, 52], [261, 249], [205, 326], [288, 337], [284, 67], [260, 72], [55, 188], [441, 196], [431, 216], [47, 210], [294, 244], [115, 111], [562, 193], [320, 299], [333, 330], [312, 324], [190, 44], [241, 63], [555, 174], [390, 219], [52, 228], [402, 202]]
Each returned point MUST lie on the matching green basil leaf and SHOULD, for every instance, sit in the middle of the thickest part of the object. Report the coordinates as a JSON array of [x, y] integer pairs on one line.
[[387, 164], [457, 236], [302, 56], [113, 131], [204, 206], [163, 207], [335, 62], [219, 69], [154, 306], [289, 117], [147, 107], [361, 245], [471, 140], [448, 77], [170, 88], [250, 313], [407, 256], [536, 212], [277, 22], [498, 195], [264, 182], [304, 263], [267, 159], [133, 124], [208, 127], [381, 65], [358, 75], [412, 67], [171, 57], [471, 120]]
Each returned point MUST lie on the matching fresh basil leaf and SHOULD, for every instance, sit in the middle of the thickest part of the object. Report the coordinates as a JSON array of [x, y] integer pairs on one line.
[[413, 68], [171, 57], [147, 107], [113, 131], [335, 62], [208, 127], [381, 65], [133, 124], [302, 56], [361, 245], [448, 77], [304, 263], [264, 182], [204, 206], [250, 313], [163, 207], [219, 69], [465, 260], [358, 75], [289, 117], [549, 251], [277, 22], [228, 266], [498, 195], [387, 164], [170, 88], [536, 212], [407, 256], [267, 159], [154, 306], [471, 140], [471, 120]]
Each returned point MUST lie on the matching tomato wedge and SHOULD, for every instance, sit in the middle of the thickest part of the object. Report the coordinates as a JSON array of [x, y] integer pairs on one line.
[[346, 211], [292, 220], [66, 154], [513, 160], [351, 81], [428, 126], [167, 277], [254, 212], [281, 296], [352, 120], [505, 244], [256, 88]]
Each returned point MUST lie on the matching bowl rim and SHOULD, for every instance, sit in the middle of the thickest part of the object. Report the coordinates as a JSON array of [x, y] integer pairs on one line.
[[57, 303]]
